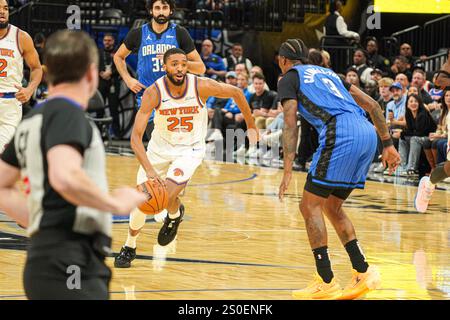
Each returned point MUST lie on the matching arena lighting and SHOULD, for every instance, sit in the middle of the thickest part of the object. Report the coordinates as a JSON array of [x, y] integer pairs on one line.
[[413, 6]]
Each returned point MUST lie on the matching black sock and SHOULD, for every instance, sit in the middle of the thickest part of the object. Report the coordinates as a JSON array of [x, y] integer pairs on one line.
[[323, 264], [356, 256]]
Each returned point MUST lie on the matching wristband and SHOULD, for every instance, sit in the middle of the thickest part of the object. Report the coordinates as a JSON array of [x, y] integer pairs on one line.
[[387, 143]]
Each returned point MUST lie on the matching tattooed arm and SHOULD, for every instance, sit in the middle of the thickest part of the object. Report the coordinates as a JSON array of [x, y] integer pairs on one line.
[[290, 137], [390, 155]]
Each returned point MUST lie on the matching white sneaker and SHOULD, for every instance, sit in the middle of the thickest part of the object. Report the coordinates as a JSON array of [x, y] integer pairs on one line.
[[159, 217], [379, 168], [424, 194], [253, 152], [214, 136], [240, 152]]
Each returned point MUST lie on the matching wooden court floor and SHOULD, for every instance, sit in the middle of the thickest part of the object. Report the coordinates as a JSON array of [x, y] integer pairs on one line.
[[239, 242]]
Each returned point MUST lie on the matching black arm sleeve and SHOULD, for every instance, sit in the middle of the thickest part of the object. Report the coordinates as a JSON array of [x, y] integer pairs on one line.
[[347, 85], [133, 40], [67, 125], [289, 86], [184, 40], [9, 155]]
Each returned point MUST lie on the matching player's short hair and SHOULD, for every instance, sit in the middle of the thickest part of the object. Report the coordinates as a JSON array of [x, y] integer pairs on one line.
[[150, 3], [68, 55], [171, 52], [259, 76], [294, 50]]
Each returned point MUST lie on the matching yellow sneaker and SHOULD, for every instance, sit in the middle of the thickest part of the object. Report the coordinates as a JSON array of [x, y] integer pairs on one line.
[[319, 290], [362, 283]]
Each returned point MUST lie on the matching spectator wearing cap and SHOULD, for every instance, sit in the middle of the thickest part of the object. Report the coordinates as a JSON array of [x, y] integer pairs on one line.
[[215, 68], [376, 75], [236, 57], [384, 85], [418, 81], [395, 110], [374, 59], [403, 80], [336, 26], [360, 64]]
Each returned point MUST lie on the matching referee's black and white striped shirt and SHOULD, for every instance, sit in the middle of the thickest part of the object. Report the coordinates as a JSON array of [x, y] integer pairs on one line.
[[58, 121]]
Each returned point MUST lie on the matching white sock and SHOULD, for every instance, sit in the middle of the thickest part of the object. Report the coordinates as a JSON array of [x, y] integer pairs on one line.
[[131, 241], [174, 215]]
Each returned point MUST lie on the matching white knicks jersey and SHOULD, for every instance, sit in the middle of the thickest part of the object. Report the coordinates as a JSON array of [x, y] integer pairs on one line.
[[11, 61], [183, 120]]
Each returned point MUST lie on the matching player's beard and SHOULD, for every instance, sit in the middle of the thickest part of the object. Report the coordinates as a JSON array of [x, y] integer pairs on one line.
[[176, 82], [161, 19], [4, 25]]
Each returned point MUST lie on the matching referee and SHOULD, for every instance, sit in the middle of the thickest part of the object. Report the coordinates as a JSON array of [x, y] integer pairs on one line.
[[61, 155]]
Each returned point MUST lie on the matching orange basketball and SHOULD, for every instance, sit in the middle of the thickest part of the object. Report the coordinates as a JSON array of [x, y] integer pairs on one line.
[[157, 197]]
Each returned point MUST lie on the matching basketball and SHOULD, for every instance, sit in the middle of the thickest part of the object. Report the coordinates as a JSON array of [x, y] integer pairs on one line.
[[157, 197]]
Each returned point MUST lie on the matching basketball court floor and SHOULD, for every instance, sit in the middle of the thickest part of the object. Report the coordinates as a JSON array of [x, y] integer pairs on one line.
[[238, 241]]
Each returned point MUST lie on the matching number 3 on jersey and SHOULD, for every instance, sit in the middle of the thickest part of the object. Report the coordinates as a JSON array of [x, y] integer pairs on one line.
[[332, 87], [3, 65], [157, 65], [183, 124]]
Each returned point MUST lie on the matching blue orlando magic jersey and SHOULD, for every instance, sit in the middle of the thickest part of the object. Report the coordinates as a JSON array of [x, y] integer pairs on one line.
[[149, 66], [322, 96]]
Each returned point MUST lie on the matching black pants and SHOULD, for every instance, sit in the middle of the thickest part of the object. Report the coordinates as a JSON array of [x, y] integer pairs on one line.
[[309, 142], [70, 269]]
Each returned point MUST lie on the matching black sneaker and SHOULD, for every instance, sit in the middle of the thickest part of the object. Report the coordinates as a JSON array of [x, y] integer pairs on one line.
[[169, 229], [126, 255]]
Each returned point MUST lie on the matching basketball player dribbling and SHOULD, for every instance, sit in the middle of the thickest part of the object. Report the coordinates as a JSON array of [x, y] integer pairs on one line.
[[427, 185], [150, 41], [347, 143], [177, 146], [15, 47]]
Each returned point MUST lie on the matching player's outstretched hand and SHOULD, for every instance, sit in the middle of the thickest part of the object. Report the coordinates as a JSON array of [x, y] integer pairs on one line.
[[126, 199], [391, 159], [135, 86], [287, 176], [154, 177]]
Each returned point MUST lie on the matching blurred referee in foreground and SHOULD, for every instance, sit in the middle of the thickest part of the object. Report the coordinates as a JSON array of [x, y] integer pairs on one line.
[[60, 155]]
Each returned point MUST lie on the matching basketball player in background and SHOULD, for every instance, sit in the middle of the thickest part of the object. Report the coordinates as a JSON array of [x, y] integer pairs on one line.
[[347, 144], [67, 208], [15, 46], [177, 146], [427, 185], [150, 41]]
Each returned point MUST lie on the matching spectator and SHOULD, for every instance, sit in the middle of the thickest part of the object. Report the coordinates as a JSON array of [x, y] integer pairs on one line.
[[413, 90], [418, 81], [236, 57], [375, 60], [371, 89], [241, 68], [441, 135], [385, 93], [253, 71], [109, 82], [407, 52], [403, 80], [336, 26], [436, 106], [315, 57], [401, 65], [215, 67], [359, 63], [263, 103], [395, 112], [376, 75], [326, 59], [242, 83], [419, 125], [39, 44], [351, 76]]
